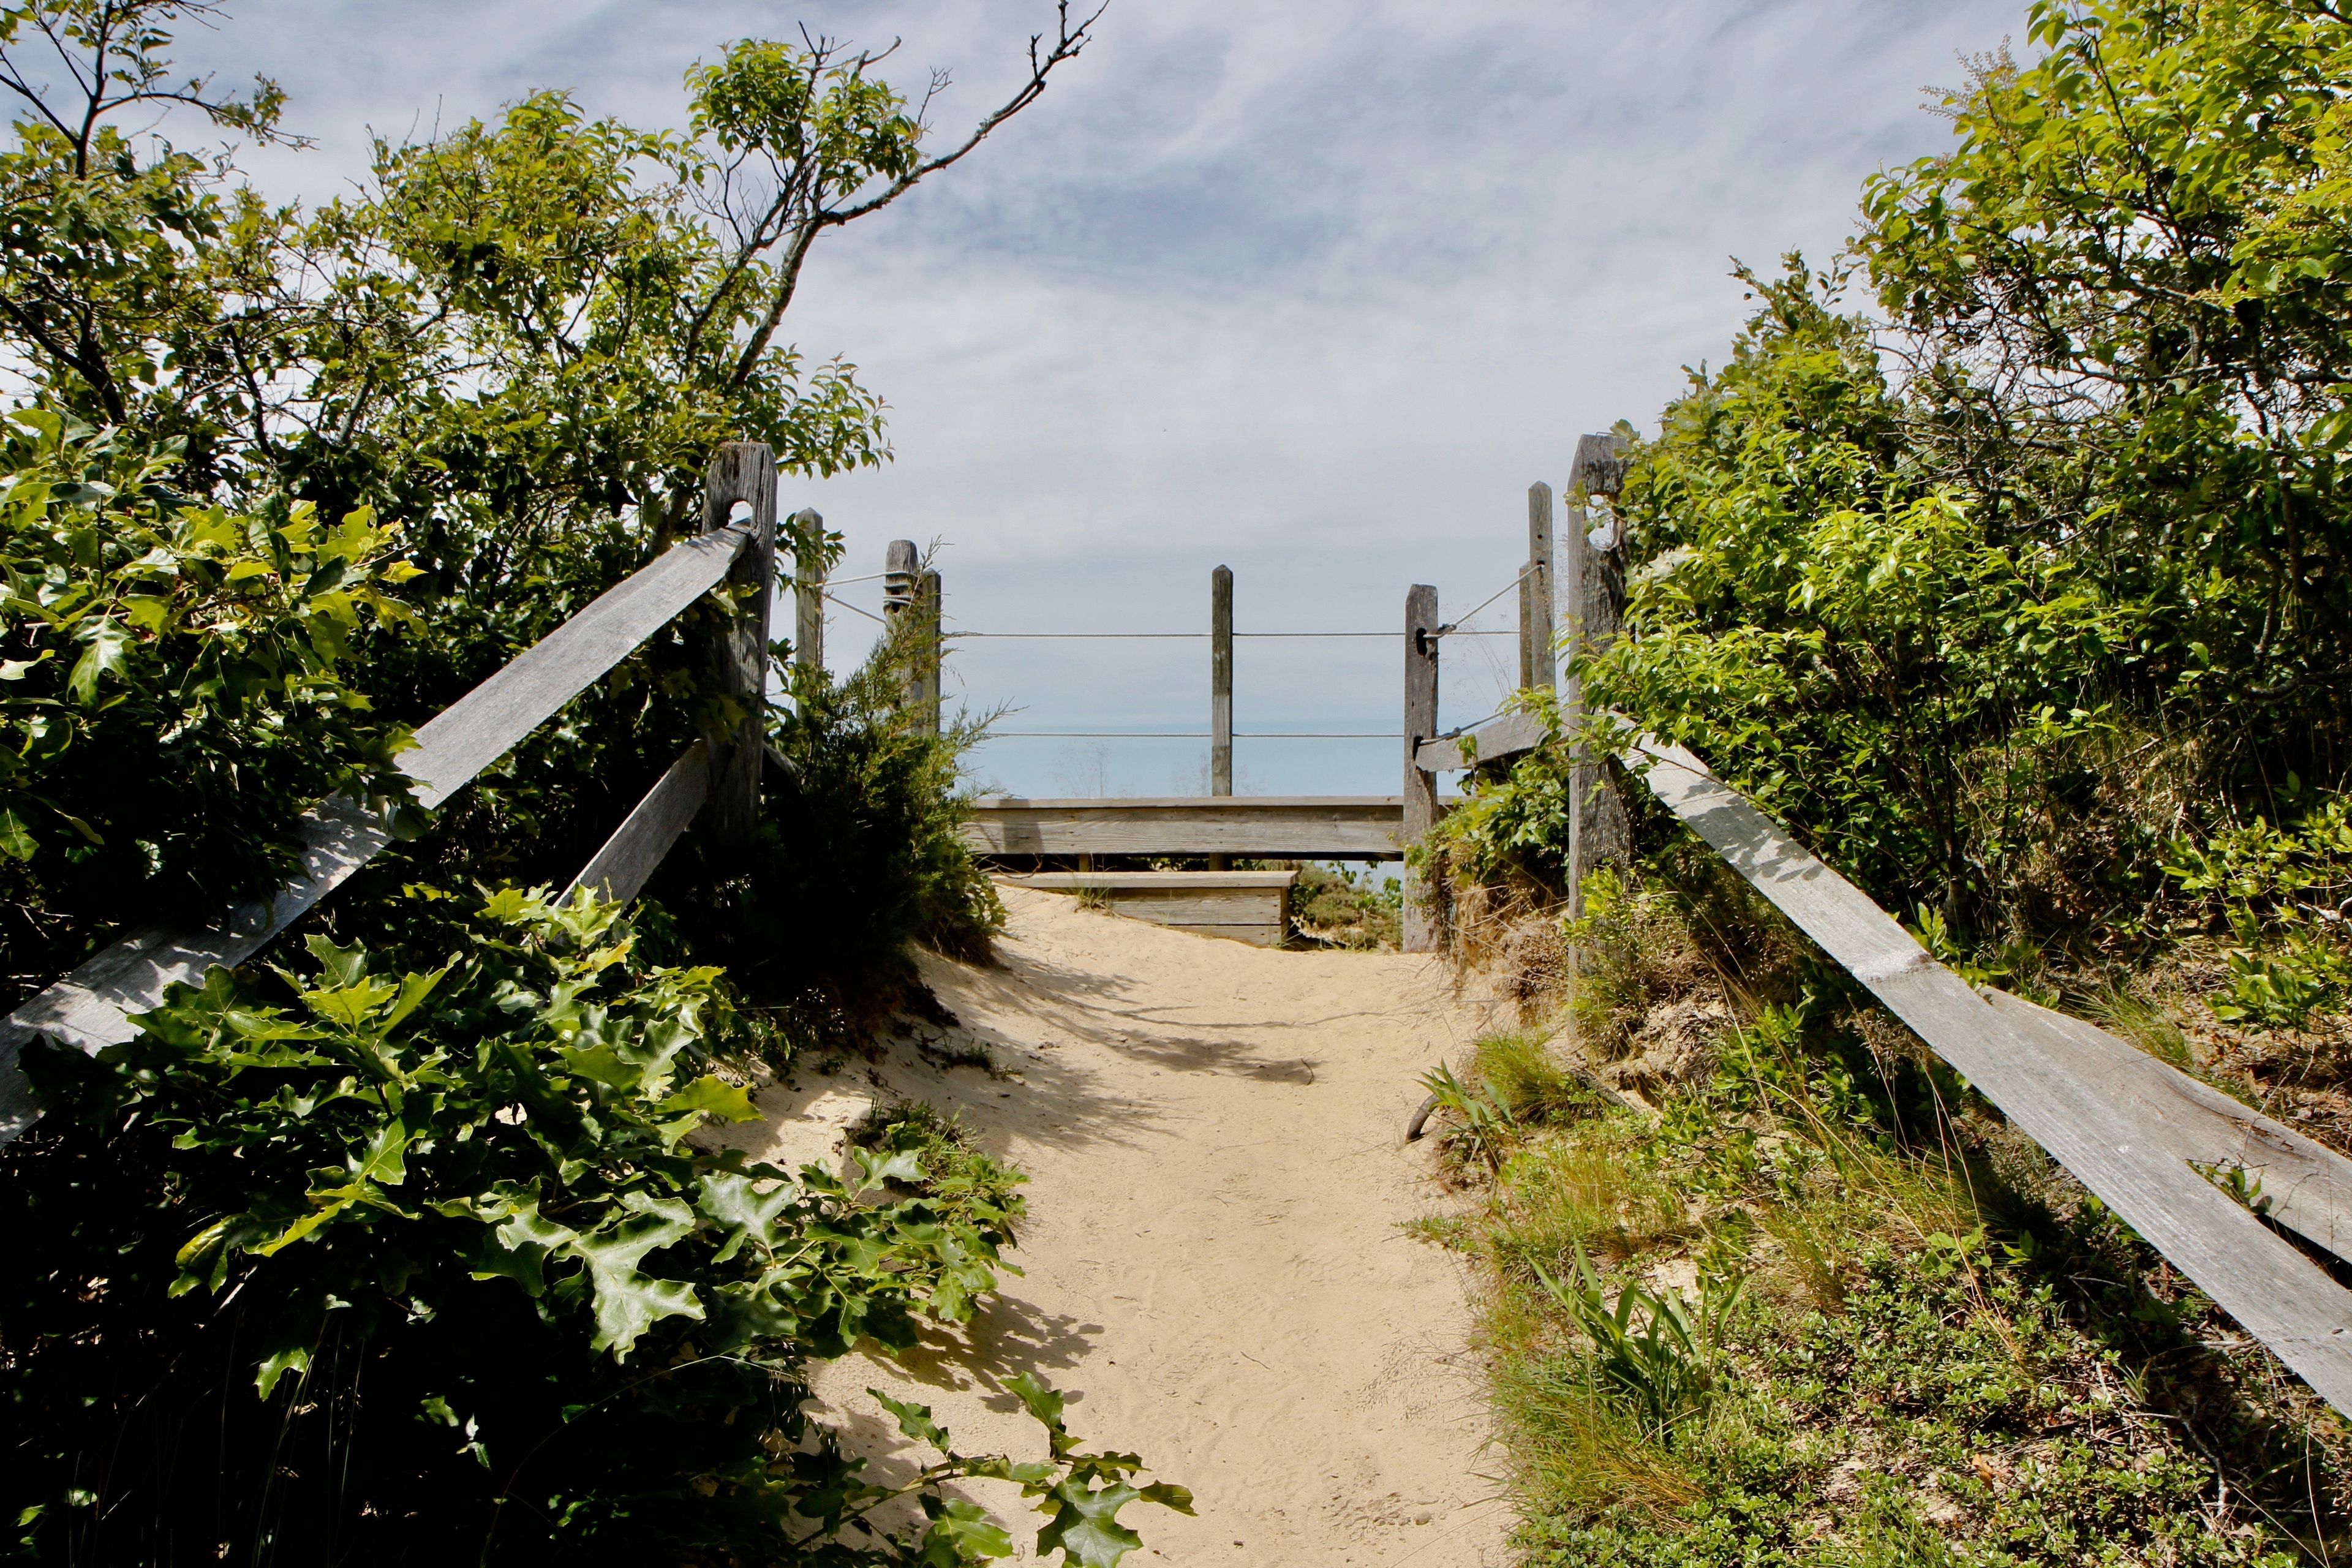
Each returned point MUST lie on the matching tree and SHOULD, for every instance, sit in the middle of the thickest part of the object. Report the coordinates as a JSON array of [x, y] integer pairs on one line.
[[514, 351]]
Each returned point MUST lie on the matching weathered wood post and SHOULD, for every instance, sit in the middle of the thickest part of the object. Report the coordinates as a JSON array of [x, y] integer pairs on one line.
[[1538, 668], [1423, 913], [742, 472], [808, 594], [1220, 692], [901, 587], [899, 564], [926, 681], [1599, 831]]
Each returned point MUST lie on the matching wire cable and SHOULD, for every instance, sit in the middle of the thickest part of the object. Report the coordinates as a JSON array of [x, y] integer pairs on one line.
[[1165, 636], [855, 610], [1451, 629], [1192, 735]]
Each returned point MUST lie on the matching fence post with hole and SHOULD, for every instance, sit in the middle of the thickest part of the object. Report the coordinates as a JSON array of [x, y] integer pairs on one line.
[[901, 581], [743, 473], [1599, 831], [1423, 895]]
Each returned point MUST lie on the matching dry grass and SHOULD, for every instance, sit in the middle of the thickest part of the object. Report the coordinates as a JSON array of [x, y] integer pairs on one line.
[[1594, 1191], [1521, 1072], [1573, 1453]]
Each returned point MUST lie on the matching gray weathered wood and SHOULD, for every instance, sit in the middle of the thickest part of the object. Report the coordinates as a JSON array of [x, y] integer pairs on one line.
[[902, 593], [901, 563], [1247, 906], [1599, 829], [617, 872], [2109, 1141], [808, 594], [1424, 923], [1147, 881], [481, 726], [742, 472], [89, 1008], [1220, 681], [1495, 740], [1269, 935], [1220, 691], [1538, 668], [1288, 827], [1599, 466], [2308, 1186], [925, 683]]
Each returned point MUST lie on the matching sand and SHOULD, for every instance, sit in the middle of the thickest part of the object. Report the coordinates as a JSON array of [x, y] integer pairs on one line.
[[1216, 1267]]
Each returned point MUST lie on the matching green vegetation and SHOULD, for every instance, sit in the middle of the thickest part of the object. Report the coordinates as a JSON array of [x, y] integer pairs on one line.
[[1809, 1303], [2005, 560], [424, 1247], [1346, 906]]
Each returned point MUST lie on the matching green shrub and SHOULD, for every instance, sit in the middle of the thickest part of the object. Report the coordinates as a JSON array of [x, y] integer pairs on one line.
[[859, 855], [176, 689], [2283, 893], [1354, 909], [438, 1260]]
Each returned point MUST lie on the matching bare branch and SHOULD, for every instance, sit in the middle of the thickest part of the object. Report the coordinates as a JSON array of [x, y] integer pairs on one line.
[[1068, 41]]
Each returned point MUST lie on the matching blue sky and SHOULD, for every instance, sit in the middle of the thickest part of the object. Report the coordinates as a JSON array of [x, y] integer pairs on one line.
[[1314, 291]]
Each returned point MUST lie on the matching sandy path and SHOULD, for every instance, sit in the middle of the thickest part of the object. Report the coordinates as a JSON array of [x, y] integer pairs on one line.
[[1213, 1134]]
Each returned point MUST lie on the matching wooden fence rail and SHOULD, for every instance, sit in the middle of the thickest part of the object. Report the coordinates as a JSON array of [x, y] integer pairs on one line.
[[2141, 1135], [2130, 1128], [90, 1007]]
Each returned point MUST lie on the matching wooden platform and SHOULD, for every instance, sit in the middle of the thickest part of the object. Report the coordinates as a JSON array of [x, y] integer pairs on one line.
[[1265, 828], [1247, 906]]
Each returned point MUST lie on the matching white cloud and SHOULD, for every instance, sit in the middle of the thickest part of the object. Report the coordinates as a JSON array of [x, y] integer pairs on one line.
[[1313, 289]]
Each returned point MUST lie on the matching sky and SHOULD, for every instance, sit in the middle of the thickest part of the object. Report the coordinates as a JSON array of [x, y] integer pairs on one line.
[[1313, 291]]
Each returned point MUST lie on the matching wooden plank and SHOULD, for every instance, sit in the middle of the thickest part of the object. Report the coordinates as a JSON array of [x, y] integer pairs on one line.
[[1286, 828], [1492, 742], [1424, 917], [1144, 881], [2108, 1141], [1256, 936], [483, 725], [1538, 668], [1081, 803], [88, 1007], [618, 872], [743, 472], [808, 593], [1253, 906], [1237, 907], [2307, 1186]]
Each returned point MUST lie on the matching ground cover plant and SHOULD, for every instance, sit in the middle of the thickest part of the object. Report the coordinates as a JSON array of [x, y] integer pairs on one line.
[[1801, 1300], [428, 1263], [406, 1243]]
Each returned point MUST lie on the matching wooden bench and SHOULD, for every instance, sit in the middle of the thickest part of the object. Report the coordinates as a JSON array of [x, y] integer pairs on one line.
[[1247, 906]]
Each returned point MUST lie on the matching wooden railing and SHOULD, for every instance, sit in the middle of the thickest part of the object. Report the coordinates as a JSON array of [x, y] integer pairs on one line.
[[91, 1007], [2138, 1132]]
